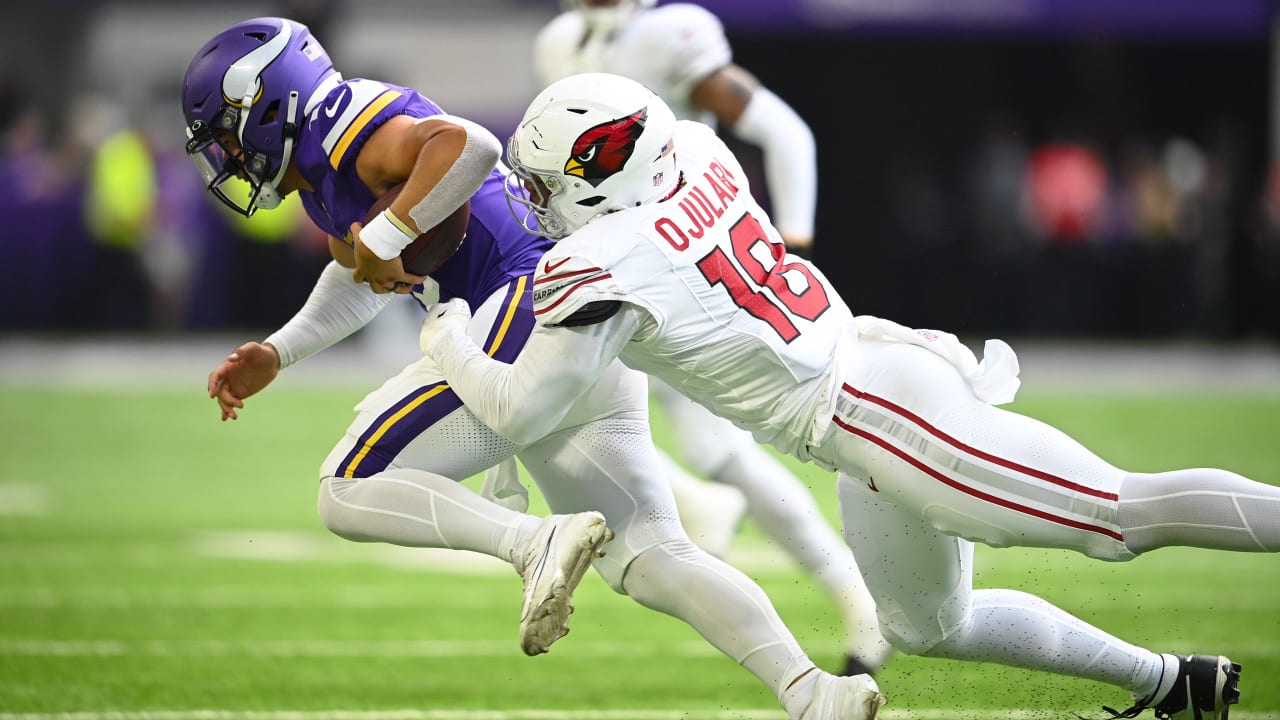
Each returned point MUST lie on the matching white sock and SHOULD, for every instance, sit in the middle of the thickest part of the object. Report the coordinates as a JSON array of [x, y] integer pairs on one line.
[[785, 509], [797, 697], [722, 604], [1162, 682], [1021, 630]]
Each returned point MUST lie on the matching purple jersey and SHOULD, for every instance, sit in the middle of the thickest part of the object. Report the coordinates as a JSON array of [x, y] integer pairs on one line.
[[496, 249]]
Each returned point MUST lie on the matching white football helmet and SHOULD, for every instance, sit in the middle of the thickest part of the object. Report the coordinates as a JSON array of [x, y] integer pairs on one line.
[[606, 16], [589, 145]]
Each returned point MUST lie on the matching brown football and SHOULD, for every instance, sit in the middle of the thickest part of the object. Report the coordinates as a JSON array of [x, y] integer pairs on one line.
[[434, 247]]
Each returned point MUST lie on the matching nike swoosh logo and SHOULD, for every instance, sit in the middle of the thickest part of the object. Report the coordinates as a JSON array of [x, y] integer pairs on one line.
[[871, 483], [332, 110], [548, 267]]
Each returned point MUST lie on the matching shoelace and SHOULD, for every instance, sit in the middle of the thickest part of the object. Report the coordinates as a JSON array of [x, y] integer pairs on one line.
[[1132, 712]]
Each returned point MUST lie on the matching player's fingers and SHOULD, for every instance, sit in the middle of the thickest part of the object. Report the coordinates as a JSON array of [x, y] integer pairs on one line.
[[227, 398], [226, 411]]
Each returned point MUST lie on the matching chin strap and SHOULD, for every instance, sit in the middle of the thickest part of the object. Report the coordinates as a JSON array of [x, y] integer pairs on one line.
[[267, 198]]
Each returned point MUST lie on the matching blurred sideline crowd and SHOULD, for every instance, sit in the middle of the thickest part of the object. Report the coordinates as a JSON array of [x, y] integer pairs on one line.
[[112, 229], [1150, 236], [1022, 231]]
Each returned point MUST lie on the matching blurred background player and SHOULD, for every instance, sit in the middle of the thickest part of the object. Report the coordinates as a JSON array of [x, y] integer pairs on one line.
[[264, 104], [681, 53]]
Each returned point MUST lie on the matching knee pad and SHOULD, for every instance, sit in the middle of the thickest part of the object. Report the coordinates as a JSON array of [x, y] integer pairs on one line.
[[328, 509], [631, 540], [917, 629], [664, 579]]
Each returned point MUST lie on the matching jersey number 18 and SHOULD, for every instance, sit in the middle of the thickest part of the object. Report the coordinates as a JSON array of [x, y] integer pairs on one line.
[[747, 280]]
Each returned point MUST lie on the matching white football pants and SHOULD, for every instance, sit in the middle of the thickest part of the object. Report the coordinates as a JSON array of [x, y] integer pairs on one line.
[[391, 479], [928, 469]]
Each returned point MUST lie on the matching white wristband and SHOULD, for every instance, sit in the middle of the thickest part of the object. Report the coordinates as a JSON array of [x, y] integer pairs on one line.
[[386, 235]]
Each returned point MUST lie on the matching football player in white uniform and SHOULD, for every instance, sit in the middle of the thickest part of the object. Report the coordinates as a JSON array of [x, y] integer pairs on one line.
[[665, 261], [263, 102], [681, 53]]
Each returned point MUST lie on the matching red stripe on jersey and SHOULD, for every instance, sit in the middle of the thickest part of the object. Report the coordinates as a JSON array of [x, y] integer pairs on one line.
[[571, 290], [1017, 467], [563, 275], [973, 491]]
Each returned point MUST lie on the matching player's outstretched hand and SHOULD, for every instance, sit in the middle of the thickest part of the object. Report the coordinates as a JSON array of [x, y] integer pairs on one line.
[[247, 370], [443, 318], [383, 276]]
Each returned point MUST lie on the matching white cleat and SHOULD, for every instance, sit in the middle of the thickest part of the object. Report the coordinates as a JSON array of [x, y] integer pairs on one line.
[[844, 698], [552, 565]]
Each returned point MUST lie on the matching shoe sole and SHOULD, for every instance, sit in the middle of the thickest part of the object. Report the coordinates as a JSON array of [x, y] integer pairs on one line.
[[871, 705], [1227, 687], [1206, 700], [548, 621]]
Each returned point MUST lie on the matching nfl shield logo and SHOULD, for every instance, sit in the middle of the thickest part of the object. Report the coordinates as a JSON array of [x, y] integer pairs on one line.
[[657, 179]]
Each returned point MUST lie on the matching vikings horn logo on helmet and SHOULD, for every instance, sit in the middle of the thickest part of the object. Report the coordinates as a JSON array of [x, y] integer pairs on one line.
[[601, 151]]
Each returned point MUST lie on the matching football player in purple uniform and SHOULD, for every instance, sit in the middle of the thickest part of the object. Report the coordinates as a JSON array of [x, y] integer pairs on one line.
[[263, 103]]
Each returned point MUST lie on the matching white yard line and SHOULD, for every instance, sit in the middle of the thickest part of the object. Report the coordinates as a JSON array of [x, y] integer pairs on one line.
[[266, 545], [27, 499], [333, 649], [128, 364], [84, 647], [530, 714]]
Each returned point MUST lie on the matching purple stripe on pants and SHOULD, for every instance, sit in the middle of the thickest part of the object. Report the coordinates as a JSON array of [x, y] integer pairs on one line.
[[416, 412]]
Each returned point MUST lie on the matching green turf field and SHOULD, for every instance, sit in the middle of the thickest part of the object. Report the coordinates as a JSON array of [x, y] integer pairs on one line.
[[157, 564]]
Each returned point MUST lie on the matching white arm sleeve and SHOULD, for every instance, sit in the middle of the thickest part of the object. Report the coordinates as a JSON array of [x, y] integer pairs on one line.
[[526, 400], [790, 160], [337, 307], [479, 156]]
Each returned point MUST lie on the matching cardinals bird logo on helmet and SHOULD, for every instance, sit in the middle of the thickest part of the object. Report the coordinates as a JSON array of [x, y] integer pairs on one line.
[[603, 150]]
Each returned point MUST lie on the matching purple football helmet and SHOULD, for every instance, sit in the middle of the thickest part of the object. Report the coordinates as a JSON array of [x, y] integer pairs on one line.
[[243, 96]]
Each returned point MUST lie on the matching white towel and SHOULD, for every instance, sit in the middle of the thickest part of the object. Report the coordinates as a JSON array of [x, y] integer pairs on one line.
[[994, 380], [502, 485]]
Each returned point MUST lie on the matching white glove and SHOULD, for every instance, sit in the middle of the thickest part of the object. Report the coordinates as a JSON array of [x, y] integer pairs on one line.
[[443, 319]]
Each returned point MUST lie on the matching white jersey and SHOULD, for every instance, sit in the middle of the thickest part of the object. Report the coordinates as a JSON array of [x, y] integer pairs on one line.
[[669, 49], [737, 325]]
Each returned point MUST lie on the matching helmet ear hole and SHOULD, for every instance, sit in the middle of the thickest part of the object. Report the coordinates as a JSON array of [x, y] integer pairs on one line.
[[592, 201], [270, 114]]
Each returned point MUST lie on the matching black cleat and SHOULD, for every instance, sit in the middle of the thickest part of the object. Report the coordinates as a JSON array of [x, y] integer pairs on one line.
[[1205, 689]]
